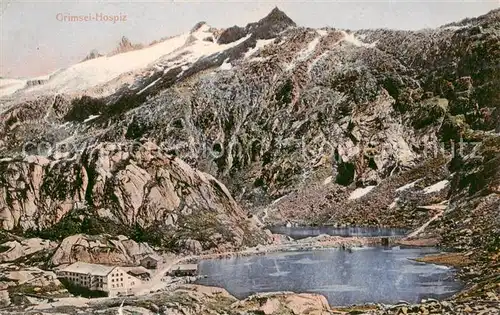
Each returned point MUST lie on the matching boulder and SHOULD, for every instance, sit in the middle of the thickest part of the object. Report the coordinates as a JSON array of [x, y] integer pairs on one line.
[[100, 249], [16, 249]]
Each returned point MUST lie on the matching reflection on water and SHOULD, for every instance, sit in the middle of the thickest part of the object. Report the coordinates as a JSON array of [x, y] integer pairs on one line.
[[363, 276], [307, 231]]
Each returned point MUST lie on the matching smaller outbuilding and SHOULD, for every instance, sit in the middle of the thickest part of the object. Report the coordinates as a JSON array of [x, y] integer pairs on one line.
[[138, 272], [183, 270], [151, 261]]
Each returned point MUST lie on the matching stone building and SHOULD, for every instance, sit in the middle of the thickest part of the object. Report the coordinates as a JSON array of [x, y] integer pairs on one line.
[[110, 279]]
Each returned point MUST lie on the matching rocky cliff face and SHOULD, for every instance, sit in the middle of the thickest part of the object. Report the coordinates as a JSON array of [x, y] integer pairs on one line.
[[472, 221], [92, 55], [127, 187]]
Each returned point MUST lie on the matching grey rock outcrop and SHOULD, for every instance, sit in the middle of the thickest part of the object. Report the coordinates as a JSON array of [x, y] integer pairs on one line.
[[92, 55], [18, 284], [125, 45], [14, 250]]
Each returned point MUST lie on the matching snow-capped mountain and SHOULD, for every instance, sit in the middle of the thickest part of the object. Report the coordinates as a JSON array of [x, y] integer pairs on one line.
[[104, 75], [182, 50]]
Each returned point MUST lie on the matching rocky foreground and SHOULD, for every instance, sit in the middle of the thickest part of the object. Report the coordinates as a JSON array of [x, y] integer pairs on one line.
[[194, 300], [34, 290]]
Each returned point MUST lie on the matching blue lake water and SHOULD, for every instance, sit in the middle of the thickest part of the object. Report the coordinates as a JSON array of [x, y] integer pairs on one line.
[[307, 231], [365, 275]]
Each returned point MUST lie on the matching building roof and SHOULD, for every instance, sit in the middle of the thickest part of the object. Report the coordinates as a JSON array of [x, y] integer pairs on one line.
[[185, 267], [86, 268], [136, 270], [152, 256]]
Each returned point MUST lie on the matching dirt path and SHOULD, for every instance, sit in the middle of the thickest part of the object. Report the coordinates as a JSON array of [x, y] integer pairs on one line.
[[155, 283], [266, 214]]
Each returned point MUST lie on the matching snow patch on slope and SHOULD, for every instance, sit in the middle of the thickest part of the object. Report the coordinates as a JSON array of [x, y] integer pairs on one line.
[[307, 52], [10, 86], [177, 51], [195, 51], [455, 28], [360, 192], [408, 186], [322, 32], [149, 85], [394, 203], [436, 187], [260, 44], [226, 65], [91, 117], [100, 70], [355, 40], [258, 59]]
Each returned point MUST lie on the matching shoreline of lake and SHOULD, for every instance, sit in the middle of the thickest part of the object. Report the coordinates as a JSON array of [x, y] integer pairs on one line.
[[330, 273]]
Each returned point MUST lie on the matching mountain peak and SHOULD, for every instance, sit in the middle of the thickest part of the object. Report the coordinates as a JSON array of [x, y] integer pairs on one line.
[[271, 25], [92, 55], [197, 26], [276, 16], [125, 45]]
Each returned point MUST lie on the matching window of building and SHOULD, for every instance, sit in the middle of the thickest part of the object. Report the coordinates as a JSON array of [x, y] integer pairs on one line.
[[132, 283], [121, 285], [112, 285], [121, 279]]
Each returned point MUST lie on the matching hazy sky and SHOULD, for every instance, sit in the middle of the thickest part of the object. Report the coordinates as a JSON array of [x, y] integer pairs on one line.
[[34, 42]]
